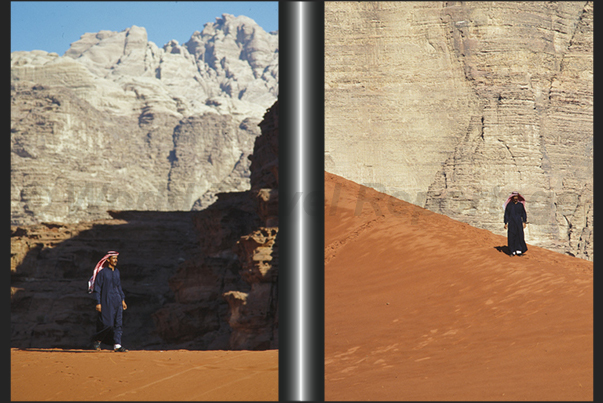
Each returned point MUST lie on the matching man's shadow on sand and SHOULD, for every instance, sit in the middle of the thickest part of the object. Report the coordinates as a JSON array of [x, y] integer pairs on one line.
[[504, 249]]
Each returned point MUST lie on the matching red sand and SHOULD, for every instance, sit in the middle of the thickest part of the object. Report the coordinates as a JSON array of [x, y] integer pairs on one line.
[[49, 374], [421, 307]]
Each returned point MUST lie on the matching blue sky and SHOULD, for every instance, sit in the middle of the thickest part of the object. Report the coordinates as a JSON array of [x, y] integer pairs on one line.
[[53, 25]]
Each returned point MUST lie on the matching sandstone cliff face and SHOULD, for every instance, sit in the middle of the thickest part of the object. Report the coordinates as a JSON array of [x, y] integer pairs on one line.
[[226, 293], [193, 279], [254, 314], [453, 105], [119, 123]]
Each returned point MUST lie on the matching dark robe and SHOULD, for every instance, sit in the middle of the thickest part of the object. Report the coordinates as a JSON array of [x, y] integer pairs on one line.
[[515, 216], [109, 294]]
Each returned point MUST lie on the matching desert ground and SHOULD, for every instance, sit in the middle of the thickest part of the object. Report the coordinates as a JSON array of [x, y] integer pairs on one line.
[[180, 375], [422, 307]]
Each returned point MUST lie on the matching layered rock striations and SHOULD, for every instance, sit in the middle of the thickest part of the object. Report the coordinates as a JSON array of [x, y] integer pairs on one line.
[[119, 123], [453, 105]]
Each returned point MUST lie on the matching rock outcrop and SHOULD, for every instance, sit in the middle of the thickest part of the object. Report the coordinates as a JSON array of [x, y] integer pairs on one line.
[[226, 295], [453, 105], [254, 314], [118, 123]]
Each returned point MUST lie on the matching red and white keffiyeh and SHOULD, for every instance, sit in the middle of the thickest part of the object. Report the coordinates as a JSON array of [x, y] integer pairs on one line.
[[520, 198], [99, 266]]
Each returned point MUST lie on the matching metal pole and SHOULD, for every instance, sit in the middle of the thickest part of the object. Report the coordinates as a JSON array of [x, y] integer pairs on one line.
[[301, 201]]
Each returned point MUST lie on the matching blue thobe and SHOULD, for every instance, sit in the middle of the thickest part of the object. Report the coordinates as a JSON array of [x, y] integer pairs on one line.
[[109, 294]]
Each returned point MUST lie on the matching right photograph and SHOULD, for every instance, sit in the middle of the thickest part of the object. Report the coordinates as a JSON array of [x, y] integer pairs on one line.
[[458, 201]]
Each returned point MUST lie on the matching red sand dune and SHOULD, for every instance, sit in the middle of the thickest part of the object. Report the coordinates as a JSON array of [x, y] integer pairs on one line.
[[83, 375], [422, 307]]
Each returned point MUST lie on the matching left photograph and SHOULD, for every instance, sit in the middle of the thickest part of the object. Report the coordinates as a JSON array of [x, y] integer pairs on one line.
[[144, 201]]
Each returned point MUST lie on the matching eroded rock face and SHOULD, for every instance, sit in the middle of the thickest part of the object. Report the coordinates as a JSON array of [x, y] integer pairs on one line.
[[451, 106], [254, 314], [226, 294], [192, 279], [119, 123]]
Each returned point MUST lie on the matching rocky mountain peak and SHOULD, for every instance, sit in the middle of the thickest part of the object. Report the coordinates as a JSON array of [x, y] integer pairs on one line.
[[115, 110]]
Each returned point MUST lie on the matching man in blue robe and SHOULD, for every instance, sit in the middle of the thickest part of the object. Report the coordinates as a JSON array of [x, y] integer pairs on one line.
[[110, 304], [515, 220]]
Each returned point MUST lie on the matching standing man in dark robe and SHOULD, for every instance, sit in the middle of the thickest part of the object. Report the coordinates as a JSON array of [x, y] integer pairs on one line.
[[515, 220], [110, 303]]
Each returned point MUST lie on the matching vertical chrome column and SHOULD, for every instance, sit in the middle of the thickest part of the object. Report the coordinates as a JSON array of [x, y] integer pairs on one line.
[[301, 201]]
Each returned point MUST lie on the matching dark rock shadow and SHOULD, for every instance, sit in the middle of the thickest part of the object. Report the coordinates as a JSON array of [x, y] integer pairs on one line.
[[50, 306]]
